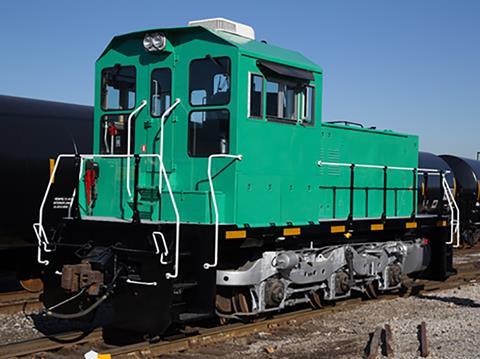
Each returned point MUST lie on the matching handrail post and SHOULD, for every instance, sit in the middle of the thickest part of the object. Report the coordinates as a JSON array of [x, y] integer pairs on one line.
[[385, 174], [442, 191], [352, 188], [136, 214], [214, 202], [76, 193], [414, 193]]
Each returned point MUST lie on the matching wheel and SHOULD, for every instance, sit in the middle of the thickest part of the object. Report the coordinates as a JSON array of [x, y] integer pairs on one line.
[[468, 238], [32, 285], [240, 301], [475, 237]]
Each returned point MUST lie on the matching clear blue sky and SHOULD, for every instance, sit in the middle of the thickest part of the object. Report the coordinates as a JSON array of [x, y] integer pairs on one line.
[[407, 65]]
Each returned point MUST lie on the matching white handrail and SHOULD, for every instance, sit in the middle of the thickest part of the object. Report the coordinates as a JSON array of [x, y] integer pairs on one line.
[[162, 123], [40, 232], [214, 201], [42, 237], [360, 165], [157, 248], [454, 214], [131, 281], [129, 141], [105, 137]]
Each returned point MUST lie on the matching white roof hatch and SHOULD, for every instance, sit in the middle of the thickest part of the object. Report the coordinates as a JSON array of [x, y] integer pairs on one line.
[[221, 24]]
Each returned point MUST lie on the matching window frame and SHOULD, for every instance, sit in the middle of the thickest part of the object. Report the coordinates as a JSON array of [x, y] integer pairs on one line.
[[262, 98], [295, 105], [124, 130], [303, 108], [188, 130], [229, 85], [103, 92], [170, 72]]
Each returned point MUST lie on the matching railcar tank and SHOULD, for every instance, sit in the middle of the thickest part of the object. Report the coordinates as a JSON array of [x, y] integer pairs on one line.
[[431, 191], [214, 189], [33, 133], [467, 178]]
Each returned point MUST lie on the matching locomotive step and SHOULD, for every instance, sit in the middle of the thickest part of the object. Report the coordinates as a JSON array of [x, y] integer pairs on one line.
[[190, 317], [185, 285]]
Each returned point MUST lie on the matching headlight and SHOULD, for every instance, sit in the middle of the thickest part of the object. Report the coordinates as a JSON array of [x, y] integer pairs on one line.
[[154, 42], [159, 41], [148, 43]]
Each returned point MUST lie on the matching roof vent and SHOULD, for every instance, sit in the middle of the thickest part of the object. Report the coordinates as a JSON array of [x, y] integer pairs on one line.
[[222, 24]]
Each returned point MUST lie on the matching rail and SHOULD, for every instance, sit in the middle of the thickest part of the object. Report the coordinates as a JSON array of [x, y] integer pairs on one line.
[[385, 169], [454, 210], [207, 265], [40, 233], [455, 213]]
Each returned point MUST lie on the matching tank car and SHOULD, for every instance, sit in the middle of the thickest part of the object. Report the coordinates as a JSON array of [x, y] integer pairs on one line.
[[214, 189], [431, 193], [467, 180], [33, 132]]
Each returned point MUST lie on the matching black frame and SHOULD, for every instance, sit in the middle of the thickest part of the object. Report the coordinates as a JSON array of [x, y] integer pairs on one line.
[[103, 91], [151, 83], [295, 105], [312, 122], [189, 130], [229, 68], [262, 100]]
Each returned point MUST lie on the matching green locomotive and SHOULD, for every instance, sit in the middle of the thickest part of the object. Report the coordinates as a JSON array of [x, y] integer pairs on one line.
[[214, 188]]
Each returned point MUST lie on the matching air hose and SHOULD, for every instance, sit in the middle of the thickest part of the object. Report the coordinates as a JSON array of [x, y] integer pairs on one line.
[[78, 314]]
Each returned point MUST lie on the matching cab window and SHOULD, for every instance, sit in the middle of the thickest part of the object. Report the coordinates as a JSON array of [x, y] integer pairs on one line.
[[208, 132], [256, 96], [307, 107], [114, 134], [281, 100], [161, 91], [118, 88], [210, 81]]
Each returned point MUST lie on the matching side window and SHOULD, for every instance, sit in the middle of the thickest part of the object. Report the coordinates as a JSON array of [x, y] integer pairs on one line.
[[208, 132], [160, 91], [118, 88], [256, 96], [210, 81], [114, 134], [281, 98], [308, 105]]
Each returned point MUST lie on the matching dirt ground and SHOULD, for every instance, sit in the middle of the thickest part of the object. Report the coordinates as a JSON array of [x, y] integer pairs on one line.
[[452, 318]]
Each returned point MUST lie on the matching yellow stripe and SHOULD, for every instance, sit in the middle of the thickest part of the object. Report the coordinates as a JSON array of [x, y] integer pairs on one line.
[[337, 229], [376, 227], [291, 231], [442, 223], [411, 225], [52, 166], [235, 234], [478, 191], [104, 356]]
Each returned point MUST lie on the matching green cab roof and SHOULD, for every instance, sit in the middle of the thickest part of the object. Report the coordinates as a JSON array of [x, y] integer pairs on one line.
[[252, 48]]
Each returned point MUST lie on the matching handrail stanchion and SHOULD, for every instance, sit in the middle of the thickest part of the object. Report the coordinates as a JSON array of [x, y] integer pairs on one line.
[[162, 124], [129, 141], [136, 213], [214, 201]]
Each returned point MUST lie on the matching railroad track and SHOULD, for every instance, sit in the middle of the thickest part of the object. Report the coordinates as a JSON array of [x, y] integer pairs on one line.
[[13, 302], [467, 273]]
